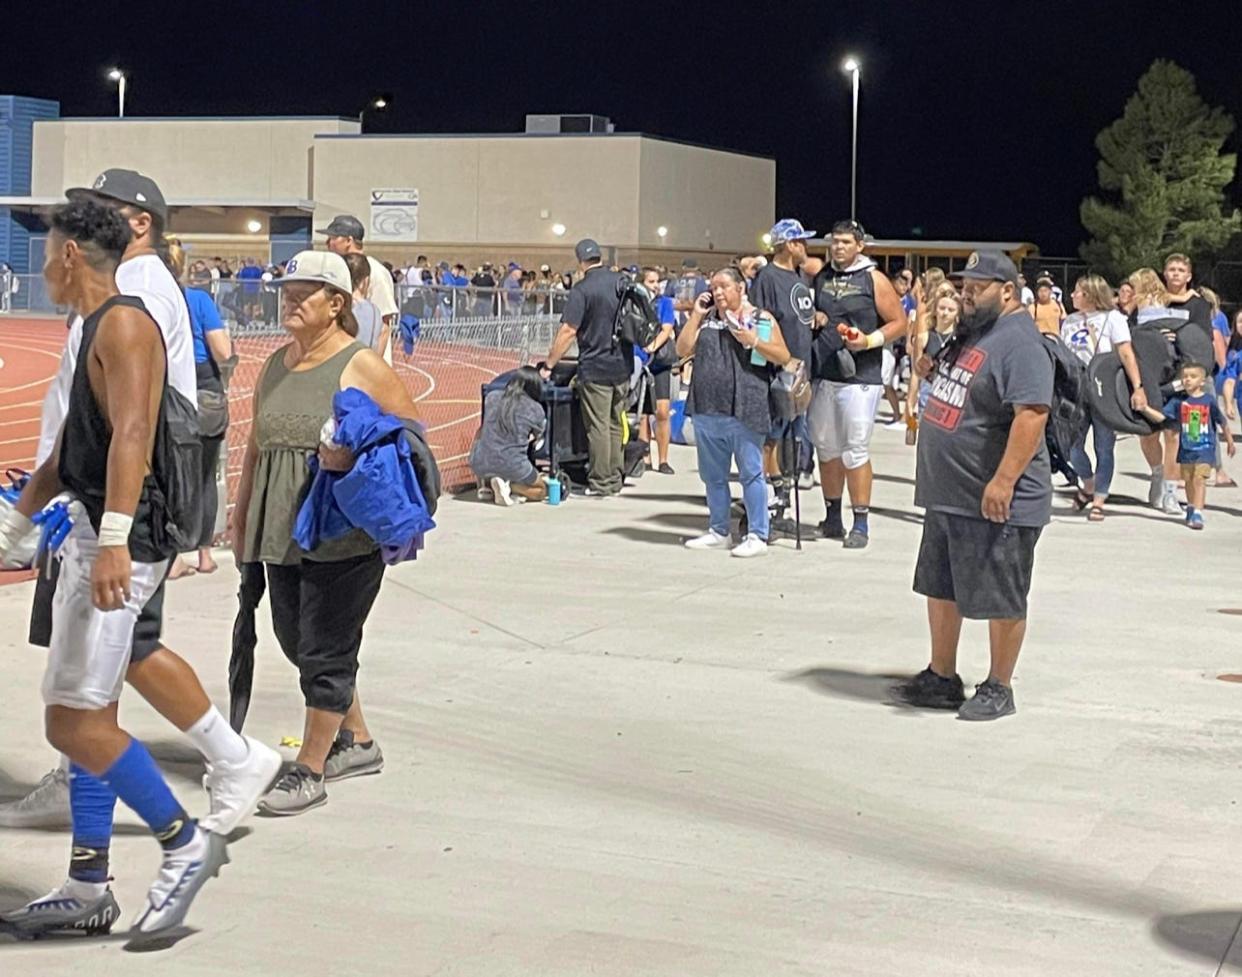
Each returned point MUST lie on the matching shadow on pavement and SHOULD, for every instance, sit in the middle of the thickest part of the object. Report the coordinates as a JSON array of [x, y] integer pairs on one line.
[[846, 683], [1208, 934], [637, 535]]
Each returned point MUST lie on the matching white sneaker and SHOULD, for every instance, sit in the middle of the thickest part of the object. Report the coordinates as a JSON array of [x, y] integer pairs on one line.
[[752, 545], [500, 492], [74, 907], [1169, 504], [710, 540], [235, 790], [46, 806], [806, 481], [184, 871]]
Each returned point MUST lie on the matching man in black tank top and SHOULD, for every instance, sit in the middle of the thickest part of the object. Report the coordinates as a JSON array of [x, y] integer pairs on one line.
[[857, 312], [109, 570]]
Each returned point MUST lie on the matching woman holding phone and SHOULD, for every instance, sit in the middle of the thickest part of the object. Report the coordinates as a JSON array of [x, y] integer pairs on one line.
[[735, 348]]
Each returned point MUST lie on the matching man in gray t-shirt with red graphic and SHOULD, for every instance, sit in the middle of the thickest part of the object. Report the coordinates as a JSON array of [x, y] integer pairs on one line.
[[984, 480]]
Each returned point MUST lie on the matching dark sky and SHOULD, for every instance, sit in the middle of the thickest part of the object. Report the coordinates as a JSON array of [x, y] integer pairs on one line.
[[976, 121]]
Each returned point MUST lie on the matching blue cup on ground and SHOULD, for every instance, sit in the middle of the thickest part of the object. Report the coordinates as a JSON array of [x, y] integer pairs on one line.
[[554, 491]]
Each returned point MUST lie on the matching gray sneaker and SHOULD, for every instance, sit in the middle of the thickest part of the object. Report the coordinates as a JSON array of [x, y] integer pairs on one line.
[[46, 806], [296, 791], [61, 912], [990, 701], [349, 759]]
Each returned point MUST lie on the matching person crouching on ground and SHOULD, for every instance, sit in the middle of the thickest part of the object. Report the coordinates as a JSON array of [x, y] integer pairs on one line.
[[985, 481], [321, 598], [729, 403], [512, 419], [1194, 414]]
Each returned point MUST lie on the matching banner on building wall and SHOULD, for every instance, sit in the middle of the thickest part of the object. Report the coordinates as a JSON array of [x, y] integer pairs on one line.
[[394, 215]]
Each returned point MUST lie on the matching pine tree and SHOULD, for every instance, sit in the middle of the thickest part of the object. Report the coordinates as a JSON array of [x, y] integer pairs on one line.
[[1163, 175]]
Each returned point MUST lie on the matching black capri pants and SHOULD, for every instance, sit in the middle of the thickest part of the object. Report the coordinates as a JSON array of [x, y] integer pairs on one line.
[[318, 609]]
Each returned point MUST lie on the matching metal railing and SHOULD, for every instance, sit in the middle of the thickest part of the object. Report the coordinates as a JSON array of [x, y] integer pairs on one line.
[[242, 302]]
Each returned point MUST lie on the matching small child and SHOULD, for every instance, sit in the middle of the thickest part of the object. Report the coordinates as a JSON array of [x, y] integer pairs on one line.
[[1198, 419]]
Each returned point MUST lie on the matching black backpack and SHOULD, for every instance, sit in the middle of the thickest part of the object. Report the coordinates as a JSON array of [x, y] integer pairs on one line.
[[176, 465], [1069, 417], [635, 322]]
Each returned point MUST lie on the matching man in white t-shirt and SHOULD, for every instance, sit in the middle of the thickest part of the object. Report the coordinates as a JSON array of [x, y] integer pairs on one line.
[[345, 235], [239, 769]]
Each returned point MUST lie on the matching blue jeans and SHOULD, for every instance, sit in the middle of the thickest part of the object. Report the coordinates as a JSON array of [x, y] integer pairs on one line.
[[718, 440], [1104, 440]]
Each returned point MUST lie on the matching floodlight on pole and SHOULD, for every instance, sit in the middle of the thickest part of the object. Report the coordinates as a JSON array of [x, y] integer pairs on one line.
[[662, 232], [558, 230], [118, 76], [853, 67], [377, 104]]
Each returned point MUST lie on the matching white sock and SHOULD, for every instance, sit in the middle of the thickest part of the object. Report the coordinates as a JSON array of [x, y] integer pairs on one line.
[[85, 891], [216, 741], [1157, 471]]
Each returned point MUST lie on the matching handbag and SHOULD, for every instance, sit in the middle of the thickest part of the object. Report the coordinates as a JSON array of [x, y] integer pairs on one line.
[[790, 390], [213, 412]]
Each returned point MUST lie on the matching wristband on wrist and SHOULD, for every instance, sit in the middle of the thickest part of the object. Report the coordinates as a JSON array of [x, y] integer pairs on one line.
[[114, 529], [875, 339]]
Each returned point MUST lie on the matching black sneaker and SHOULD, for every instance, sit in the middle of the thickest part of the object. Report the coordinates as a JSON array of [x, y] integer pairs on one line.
[[990, 701], [666, 469], [856, 540], [927, 690], [831, 530]]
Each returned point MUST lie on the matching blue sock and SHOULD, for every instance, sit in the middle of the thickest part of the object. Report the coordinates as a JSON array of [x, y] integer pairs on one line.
[[91, 802], [860, 518], [1190, 511], [139, 783]]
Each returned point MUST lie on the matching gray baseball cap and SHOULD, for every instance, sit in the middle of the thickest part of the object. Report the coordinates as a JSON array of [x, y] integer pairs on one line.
[[346, 225], [988, 266], [127, 187]]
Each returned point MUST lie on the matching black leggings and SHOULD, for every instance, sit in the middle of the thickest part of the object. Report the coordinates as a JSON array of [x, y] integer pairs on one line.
[[207, 379], [318, 610]]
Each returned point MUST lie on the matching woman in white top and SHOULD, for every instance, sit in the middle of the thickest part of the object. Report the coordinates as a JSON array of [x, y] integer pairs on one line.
[[1097, 327]]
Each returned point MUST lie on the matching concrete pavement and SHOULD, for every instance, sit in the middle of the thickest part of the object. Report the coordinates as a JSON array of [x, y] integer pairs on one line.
[[608, 755]]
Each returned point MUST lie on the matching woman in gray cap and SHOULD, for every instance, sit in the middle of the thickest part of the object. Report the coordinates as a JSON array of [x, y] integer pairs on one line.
[[320, 598]]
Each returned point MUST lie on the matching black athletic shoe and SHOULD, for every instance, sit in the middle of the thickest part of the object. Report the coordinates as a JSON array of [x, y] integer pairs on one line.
[[856, 540], [927, 690], [831, 530], [990, 701], [666, 469]]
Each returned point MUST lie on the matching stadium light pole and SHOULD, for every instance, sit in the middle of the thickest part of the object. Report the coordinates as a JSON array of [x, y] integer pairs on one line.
[[118, 76], [854, 68], [376, 104]]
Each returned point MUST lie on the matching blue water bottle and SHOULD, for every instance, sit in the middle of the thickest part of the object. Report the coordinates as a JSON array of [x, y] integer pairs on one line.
[[554, 491]]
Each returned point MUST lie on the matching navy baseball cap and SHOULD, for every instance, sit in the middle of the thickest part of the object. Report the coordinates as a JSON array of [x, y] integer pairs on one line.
[[784, 231], [587, 250], [346, 225], [988, 266]]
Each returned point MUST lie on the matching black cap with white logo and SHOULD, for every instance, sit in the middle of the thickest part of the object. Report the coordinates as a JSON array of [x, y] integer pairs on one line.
[[127, 187], [587, 250]]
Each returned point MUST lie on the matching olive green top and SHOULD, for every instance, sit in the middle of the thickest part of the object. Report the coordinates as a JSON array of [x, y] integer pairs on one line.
[[291, 410]]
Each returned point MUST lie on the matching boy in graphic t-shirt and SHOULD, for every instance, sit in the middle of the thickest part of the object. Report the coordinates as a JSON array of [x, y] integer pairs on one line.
[[1198, 419]]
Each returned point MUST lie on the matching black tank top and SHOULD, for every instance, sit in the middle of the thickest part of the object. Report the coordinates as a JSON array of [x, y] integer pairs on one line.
[[849, 297], [87, 437]]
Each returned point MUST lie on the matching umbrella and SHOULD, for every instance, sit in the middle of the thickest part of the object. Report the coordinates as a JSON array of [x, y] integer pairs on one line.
[[241, 662]]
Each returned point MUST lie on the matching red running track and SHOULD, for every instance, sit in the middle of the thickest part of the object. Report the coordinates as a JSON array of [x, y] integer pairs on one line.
[[443, 379]]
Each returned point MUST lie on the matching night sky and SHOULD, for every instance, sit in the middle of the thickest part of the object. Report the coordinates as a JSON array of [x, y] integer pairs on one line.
[[977, 119]]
